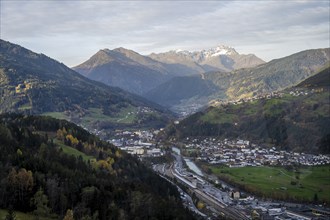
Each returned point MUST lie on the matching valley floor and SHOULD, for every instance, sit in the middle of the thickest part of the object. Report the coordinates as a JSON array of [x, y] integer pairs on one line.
[[223, 199]]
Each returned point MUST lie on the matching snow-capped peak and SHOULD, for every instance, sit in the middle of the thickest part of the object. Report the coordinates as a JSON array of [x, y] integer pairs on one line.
[[186, 52], [219, 50], [216, 51]]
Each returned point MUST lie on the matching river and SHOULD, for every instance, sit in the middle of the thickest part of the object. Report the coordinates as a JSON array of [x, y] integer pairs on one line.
[[189, 163], [193, 167]]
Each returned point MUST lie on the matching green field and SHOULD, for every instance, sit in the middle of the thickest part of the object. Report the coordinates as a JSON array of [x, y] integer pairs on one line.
[[21, 216], [25, 107], [218, 117], [72, 151], [57, 115], [124, 116], [277, 182]]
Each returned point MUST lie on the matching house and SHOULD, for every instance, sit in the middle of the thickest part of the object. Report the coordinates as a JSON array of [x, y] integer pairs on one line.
[[20, 88], [155, 152], [235, 194]]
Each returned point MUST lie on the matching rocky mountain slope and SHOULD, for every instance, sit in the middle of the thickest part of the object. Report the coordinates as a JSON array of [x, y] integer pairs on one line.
[[321, 79], [272, 76], [125, 69], [36, 84]]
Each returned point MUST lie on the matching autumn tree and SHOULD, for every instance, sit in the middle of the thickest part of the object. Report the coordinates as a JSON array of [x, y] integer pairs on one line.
[[68, 215], [21, 181], [200, 205], [61, 133], [74, 141]]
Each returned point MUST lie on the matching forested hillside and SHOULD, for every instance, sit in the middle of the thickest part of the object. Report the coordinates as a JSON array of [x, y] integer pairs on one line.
[[33, 83], [51, 168], [296, 119]]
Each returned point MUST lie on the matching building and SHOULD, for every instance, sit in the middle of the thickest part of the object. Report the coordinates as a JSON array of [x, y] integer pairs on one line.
[[235, 194]]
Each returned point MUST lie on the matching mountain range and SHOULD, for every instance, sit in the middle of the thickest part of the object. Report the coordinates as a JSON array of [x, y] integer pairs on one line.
[[139, 74], [246, 82], [186, 81], [221, 58], [36, 84], [125, 69]]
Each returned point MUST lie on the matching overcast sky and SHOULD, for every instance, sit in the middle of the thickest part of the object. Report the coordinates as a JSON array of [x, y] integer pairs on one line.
[[72, 31]]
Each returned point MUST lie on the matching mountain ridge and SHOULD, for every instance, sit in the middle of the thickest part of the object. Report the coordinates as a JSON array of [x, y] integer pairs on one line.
[[125, 69], [133, 72], [222, 58], [36, 84], [269, 77]]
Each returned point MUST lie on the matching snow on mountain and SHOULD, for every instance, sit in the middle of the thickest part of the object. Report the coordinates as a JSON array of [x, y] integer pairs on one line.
[[219, 58], [219, 50], [204, 54]]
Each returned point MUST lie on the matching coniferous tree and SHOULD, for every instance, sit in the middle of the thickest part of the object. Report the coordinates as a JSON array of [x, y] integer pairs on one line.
[[11, 214], [40, 201]]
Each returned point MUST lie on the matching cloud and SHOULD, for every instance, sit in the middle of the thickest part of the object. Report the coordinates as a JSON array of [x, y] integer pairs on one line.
[[71, 31]]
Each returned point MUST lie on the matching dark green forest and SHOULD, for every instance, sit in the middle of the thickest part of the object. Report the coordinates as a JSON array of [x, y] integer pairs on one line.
[[39, 175]]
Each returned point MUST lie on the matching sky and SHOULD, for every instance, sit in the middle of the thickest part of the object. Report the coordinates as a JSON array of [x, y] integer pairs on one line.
[[72, 31]]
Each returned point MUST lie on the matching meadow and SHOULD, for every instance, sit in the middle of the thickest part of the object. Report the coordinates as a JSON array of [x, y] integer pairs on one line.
[[310, 184]]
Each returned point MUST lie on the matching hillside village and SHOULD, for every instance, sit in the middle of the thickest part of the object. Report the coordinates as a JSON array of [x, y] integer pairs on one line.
[[292, 92], [240, 153]]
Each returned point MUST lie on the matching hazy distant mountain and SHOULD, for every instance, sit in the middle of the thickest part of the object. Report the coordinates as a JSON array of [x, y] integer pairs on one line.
[[178, 89], [221, 58], [34, 83], [272, 76], [125, 69], [217, 73]]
